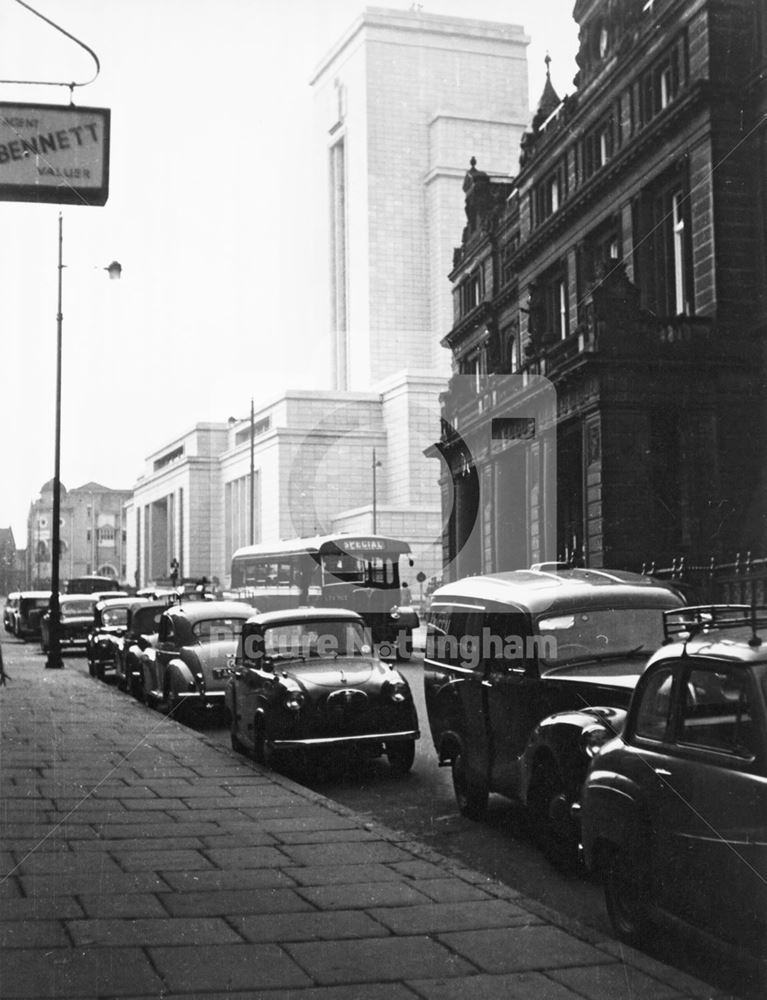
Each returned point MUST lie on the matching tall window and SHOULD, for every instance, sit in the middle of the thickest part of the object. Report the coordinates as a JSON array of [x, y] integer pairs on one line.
[[663, 249], [338, 263], [681, 304]]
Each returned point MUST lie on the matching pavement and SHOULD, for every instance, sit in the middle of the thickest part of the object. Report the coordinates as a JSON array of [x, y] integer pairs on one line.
[[142, 861]]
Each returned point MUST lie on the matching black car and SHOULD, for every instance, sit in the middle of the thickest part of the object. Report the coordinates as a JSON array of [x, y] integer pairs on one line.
[[506, 652], [138, 644], [307, 681], [75, 620], [196, 643], [28, 612], [674, 811], [109, 622]]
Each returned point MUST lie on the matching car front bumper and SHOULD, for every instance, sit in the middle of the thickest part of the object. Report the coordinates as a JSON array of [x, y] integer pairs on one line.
[[400, 736]]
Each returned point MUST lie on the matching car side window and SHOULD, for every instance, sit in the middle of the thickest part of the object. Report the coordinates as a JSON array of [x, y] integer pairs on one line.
[[654, 710], [716, 711]]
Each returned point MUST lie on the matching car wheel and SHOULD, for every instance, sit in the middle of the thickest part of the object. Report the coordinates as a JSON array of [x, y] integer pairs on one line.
[[471, 798], [625, 898], [122, 679], [553, 826], [99, 669], [234, 737], [91, 667], [401, 756], [260, 749]]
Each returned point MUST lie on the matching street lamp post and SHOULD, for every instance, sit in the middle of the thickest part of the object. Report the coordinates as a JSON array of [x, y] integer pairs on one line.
[[54, 638]]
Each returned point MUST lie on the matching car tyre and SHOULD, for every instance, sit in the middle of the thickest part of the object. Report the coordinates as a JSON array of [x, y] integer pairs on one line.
[[401, 756], [261, 752], [122, 679], [553, 827], [624, 897], [98, 668], [471, 799]]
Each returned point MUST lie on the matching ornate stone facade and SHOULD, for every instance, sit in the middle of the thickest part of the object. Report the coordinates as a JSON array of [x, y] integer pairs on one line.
[[625, 263]]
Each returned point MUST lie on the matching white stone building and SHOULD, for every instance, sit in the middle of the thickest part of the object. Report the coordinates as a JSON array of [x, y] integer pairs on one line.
[[402, 102]]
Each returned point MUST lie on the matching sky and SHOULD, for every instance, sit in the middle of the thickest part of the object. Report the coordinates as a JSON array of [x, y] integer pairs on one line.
[[209, 214]]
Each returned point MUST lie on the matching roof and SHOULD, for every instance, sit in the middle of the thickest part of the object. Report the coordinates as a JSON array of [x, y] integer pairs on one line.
[[536, 591], [326, 544], [268, 618], [195, 611]]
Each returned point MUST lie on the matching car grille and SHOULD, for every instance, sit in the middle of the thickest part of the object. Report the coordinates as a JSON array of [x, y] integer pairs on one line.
[[346, 704]]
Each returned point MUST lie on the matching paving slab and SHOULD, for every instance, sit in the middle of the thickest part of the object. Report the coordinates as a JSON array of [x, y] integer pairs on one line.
[[140, 860]]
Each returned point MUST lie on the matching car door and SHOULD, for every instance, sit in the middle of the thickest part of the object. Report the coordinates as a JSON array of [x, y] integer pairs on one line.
[[513, 697], [714, 800], [167, 648], [250, 681]]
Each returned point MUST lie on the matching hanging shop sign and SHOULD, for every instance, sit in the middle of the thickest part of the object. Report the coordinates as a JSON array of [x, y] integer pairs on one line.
[[54, 153]]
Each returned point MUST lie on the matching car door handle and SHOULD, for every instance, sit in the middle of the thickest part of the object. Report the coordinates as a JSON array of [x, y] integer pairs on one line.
[[487, 684], [662, 772]]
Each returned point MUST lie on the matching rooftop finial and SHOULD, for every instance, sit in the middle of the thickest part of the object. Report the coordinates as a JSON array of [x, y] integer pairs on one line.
[[547, 60]]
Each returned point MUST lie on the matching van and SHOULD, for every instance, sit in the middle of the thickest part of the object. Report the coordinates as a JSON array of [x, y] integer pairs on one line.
[[506, 653]]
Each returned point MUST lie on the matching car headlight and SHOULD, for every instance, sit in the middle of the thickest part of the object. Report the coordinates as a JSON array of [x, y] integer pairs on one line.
[[593, 738], [396, 690], [294, 701]]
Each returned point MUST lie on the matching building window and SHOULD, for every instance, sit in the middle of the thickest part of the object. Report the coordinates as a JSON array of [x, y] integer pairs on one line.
[[470, 292], [597, 148], [549, 194], [549, 307], [512, 356], [474, 364], [679, 253], [663, 250], [660, 84], [561, 319], [604, 42]]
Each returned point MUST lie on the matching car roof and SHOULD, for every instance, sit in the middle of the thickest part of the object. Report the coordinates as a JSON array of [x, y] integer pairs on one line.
[[538, 591], [294, 615], [115, 602], [715, 644], [195, 611]]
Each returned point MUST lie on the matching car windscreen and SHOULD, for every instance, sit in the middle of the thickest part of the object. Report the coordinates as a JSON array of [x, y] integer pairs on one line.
[[599, 634], [318, 638], [146, 621], [74, 609], [111, 617], [27, 604], [217, 629]]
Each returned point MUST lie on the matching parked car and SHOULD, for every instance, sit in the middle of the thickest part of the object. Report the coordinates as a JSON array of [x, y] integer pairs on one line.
[[674, 812], [505, 652], [109, 621], [9, 610], [29, 610], [138, 644], [75, 620], [307, 680], [196, 643]]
